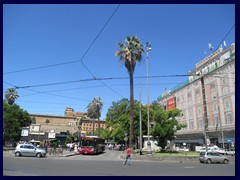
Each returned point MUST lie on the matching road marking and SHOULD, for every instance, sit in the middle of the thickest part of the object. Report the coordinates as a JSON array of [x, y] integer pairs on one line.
[[188, 167]]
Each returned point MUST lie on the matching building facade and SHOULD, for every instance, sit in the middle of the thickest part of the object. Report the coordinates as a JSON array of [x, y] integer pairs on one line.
[[207, 102], [71, 121]]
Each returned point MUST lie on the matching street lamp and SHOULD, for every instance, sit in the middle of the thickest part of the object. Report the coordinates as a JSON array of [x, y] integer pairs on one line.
[[149, 48], [140, 116], [125, 139]]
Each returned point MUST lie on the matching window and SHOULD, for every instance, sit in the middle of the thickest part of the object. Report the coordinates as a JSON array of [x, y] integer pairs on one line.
[[198, 96], [31, 147], [227, 105], [225, 90], [182, 100], [200, 123], [184, 113], [191, 124], [215, 120], [199, 111], [229, 118], [190, 113], [178, 100], [189, 95], [212, 86], [224, 82], [212, 91], [215, 109]]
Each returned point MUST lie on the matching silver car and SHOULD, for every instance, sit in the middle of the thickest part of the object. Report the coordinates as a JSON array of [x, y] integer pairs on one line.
[[29, 150], [212, 157]]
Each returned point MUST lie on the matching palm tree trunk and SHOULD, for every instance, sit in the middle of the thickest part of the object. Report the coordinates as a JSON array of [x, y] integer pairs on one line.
[[131, 109]]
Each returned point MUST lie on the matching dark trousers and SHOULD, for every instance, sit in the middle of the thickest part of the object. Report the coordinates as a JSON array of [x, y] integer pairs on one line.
[[128, 159]]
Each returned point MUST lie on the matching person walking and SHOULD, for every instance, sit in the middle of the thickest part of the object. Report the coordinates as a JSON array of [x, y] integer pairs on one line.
[[128, 157]]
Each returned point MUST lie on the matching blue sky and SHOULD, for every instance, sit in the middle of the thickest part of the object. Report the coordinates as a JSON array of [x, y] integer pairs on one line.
[[43, 35]]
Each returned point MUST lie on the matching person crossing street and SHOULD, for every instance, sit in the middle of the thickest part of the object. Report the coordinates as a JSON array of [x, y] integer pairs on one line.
[[128, 157]]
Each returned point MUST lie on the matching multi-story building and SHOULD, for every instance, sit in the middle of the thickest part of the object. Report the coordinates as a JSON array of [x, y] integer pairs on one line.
[[71, 121], [207, 101]]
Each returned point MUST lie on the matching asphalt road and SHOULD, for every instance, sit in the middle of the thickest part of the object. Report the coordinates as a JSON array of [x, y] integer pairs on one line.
[[108, 164]]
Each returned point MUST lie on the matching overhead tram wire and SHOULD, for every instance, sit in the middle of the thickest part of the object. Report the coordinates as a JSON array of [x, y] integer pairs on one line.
[[40, 92], [226, 36], [71, 62], [88, 70], [103, 79]]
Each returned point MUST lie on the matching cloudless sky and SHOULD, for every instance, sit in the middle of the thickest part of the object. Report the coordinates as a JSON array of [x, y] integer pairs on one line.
[[43, 35]]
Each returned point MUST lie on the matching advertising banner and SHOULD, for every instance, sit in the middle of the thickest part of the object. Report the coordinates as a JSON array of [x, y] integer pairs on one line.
[[171, 103], [51, 135], [24, 131]]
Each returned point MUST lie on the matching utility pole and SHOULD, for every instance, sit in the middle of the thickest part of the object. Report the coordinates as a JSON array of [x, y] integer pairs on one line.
[[205, 112], [220, 119]]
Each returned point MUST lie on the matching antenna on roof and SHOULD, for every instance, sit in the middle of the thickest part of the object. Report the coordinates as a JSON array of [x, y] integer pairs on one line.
[[220, 46], [224, 44], [210, 46]]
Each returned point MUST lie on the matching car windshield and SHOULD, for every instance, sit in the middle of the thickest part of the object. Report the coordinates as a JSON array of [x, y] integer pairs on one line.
[[202, 153]]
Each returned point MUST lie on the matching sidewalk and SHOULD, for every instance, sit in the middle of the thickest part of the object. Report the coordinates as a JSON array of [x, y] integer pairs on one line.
[[65, 153]]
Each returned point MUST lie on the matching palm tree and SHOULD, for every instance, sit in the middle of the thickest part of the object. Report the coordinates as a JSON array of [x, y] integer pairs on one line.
[[130, 53], [11, 95], [94, 110]]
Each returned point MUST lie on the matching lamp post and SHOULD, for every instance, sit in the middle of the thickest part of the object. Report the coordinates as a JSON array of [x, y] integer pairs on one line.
[[149, 48], [140, 118], [125, 139]]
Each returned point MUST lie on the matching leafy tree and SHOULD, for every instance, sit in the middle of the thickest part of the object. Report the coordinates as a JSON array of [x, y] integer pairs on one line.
[[14, 118], [165, 124], [130, 53], [94, 110], [76, 136], [118, 119], [69, 139], [106, 134], [11, 95]]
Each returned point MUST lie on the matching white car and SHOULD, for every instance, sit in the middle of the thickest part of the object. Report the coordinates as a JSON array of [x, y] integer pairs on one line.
[[29, 150], [213, 149], [231, 152]]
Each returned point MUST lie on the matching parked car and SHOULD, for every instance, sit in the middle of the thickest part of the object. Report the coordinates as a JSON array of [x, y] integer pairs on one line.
[[213, 149], [212, 157], [220, 150], [231, 152], [29, 150]]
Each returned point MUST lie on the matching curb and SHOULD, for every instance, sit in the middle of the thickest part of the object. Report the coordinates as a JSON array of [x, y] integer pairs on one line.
[[163, 158]]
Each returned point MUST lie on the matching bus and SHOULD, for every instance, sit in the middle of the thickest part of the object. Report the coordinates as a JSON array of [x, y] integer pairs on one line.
[[91, 145]]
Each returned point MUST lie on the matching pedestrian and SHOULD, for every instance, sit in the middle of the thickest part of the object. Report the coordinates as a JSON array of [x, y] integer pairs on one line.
[[128, 157]]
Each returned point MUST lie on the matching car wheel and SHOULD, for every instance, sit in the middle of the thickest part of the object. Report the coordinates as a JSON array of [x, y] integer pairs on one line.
[[209, 161], [17, 154], [225, 161], [39, 155]]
